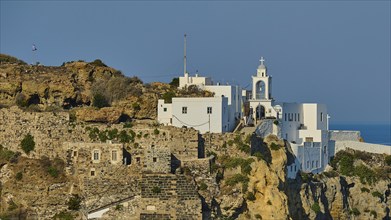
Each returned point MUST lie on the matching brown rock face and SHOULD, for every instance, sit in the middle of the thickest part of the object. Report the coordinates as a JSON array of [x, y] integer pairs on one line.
[[65, 86], [104, 115]]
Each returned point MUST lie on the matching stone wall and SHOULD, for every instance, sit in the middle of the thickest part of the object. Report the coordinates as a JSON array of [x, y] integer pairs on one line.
[[50, 130], [362, 146], [170, 195], [344, 135], [157, 160]]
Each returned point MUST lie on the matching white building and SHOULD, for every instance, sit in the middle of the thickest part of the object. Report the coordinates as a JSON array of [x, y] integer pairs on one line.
[[202, 113], [303, 125]]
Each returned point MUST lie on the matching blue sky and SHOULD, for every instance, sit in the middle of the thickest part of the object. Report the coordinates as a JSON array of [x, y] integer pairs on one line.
[[336, 53]]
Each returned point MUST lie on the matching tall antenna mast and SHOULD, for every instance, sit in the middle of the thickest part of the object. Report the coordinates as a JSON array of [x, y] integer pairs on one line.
[[184, 57]]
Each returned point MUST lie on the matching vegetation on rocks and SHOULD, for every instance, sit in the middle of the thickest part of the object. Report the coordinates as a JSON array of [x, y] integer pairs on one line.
[[27, 144]]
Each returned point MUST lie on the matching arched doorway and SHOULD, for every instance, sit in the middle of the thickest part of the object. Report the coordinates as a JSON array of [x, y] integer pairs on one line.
[[260, 112]]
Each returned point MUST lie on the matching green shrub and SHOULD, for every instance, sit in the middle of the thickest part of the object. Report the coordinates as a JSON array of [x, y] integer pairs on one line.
[[21, 100], [373, 213], [156, 189], [102, 136], [19, 176], [274, 146], [269, 202], [250, 196], [346, 165], [233, 162], [387, 159], [203, 186], [168, 96], [230, 142], [136, 107], [258, 216], [5, 154], [156, 131], [63, 216], [174, 82], [244, 148], [355, 212], [112, 134], [128, 125], [235, 179], [124, 137], [275, 122], [315, 207], [119, 207], [94, 133], [74, 202], [28, 143], [365, 174], [53, 171], [377, 194], [259, 156], [364, 189], [100, 101], [98, 62]]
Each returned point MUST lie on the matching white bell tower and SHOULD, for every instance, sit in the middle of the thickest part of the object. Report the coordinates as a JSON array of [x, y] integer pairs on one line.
[[262, 83]]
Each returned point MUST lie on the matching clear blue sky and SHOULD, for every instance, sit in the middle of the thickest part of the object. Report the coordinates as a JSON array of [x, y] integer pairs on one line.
[[336, 53]]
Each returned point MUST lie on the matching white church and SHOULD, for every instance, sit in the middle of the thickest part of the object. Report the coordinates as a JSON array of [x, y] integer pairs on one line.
[[305, 126]]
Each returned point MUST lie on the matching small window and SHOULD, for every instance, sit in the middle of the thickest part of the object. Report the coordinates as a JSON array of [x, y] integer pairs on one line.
[[312, 164], [321, 116], [138, 159], [309, 139], [209, 110], [92, 172], [285, 116], [317, 163], [74, 153], [184, 110], [114, 155], [298, 116], [96, 155], [291, 168], [154, 159], [295, 168], [164, 109], [308, 164]]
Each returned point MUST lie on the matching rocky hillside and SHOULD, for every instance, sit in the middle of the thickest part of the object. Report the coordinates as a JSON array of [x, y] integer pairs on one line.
[[79, 84]]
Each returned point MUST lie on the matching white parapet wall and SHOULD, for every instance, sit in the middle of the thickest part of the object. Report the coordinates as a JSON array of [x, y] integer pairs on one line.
[[362, 146]]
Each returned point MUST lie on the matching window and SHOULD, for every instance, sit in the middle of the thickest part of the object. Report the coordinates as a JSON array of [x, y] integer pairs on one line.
[[291, 168], [114, 155], [298, 116], [295, 168], [308, 164], [164, 109], [184, 110], [154, 159], [92, 172], [285, 116], [209, 110], [309, 139], [138, 159], [74, 153], [295, 116], [321, 116], [96, 155], [317, 163]]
